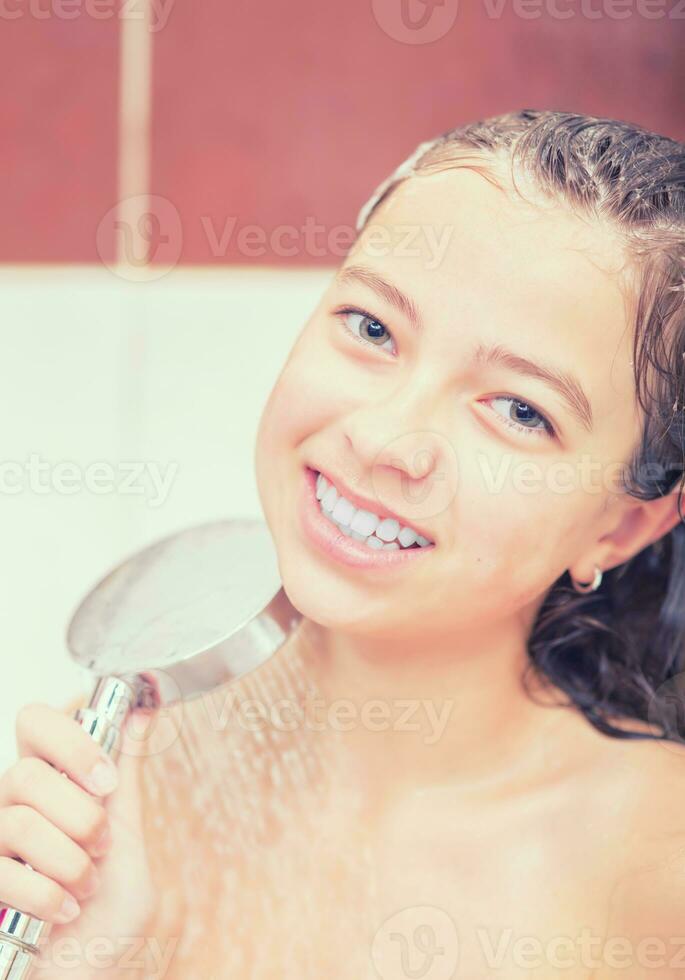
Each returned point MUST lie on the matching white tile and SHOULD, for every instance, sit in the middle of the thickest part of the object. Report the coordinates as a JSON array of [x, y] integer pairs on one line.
[[171, 373]]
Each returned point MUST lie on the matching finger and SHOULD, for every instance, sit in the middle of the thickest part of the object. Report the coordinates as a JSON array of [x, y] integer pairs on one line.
[[45, 732], [35, 783], [26, 834], [29, 891]]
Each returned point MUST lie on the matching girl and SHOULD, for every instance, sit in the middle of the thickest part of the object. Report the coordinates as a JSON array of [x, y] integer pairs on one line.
[[468, 762]]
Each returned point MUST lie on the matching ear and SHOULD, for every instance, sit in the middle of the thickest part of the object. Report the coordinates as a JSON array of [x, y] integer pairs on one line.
[[641, 523]]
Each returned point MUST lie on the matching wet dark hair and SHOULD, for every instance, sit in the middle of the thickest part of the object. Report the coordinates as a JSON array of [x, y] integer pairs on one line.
[[618, 652]]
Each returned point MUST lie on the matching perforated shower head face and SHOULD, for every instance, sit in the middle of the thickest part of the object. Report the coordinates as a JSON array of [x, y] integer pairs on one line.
[[189, 612]]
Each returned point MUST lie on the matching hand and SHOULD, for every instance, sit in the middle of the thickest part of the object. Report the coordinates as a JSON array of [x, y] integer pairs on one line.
[[84, 840]]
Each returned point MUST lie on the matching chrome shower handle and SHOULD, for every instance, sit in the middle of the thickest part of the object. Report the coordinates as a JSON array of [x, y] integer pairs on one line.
[[103, 719]]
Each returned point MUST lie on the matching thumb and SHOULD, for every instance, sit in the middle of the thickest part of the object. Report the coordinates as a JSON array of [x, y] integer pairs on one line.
[[124, 803]]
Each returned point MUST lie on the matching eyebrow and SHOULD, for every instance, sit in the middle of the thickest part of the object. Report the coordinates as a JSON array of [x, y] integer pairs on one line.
[[566, 384], [357, 273]]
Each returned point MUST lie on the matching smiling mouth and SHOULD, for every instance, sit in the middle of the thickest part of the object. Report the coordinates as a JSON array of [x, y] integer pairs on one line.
[[375, 530]]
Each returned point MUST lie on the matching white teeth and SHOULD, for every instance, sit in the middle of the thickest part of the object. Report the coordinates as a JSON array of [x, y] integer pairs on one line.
[[407, 537], [388, 529], [329, 499], [343, 511], [364, 522], [364, 525]]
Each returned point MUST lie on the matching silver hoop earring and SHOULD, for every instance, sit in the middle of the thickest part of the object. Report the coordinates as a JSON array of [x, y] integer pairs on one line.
[[589, 586]]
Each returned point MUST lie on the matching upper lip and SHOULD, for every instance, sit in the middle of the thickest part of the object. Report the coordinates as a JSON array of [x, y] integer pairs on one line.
[[364, 504]]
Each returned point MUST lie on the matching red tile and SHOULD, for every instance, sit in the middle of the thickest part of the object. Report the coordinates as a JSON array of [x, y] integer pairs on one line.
[[58, 119], [269, 114]]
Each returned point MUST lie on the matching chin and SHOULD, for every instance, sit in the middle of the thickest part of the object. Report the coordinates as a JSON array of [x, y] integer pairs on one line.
[[302, 582], [327, 603]]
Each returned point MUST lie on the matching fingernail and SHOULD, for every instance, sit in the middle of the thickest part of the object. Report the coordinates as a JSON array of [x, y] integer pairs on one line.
[[69, 910], [103, 777]]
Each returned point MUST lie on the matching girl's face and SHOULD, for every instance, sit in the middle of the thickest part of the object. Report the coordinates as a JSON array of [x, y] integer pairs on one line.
[[507, 460]]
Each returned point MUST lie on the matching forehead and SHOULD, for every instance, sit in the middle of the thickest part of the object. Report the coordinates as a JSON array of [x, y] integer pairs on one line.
[[532, 272], [492, 238], [454, 238]]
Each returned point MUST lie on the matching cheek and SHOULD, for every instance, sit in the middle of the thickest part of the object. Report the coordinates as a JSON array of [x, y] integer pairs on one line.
[[290, 412], [296, 407], [556, 533], [307, 396], [515, 543]]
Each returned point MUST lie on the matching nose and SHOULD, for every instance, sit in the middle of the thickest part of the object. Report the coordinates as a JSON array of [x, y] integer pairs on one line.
[[385, 434], [413, 465]]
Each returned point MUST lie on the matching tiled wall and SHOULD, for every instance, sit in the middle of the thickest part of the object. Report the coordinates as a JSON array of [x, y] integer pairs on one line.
[[272, 114]]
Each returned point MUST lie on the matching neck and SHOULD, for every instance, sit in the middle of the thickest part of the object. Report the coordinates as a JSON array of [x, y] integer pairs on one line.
[[409, 715]]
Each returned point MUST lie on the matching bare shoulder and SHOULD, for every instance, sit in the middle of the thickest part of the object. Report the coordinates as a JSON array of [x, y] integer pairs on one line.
[[647, 778], [646, 915]]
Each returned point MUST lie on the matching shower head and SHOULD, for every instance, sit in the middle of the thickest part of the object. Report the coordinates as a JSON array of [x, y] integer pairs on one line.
[[186, 614]]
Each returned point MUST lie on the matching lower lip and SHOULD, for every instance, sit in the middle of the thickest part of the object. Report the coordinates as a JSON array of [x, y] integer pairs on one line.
[[329, 539]]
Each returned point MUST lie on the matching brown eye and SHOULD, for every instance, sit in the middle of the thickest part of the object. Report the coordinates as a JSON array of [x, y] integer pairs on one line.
[[366, 328], [373, 330], [524, 417]]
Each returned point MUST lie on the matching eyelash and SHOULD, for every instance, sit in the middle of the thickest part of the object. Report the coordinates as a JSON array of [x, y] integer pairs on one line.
[[547, 430]]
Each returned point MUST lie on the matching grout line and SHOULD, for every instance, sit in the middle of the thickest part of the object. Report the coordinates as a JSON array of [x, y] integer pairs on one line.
[[132, 242], [135, 117]]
